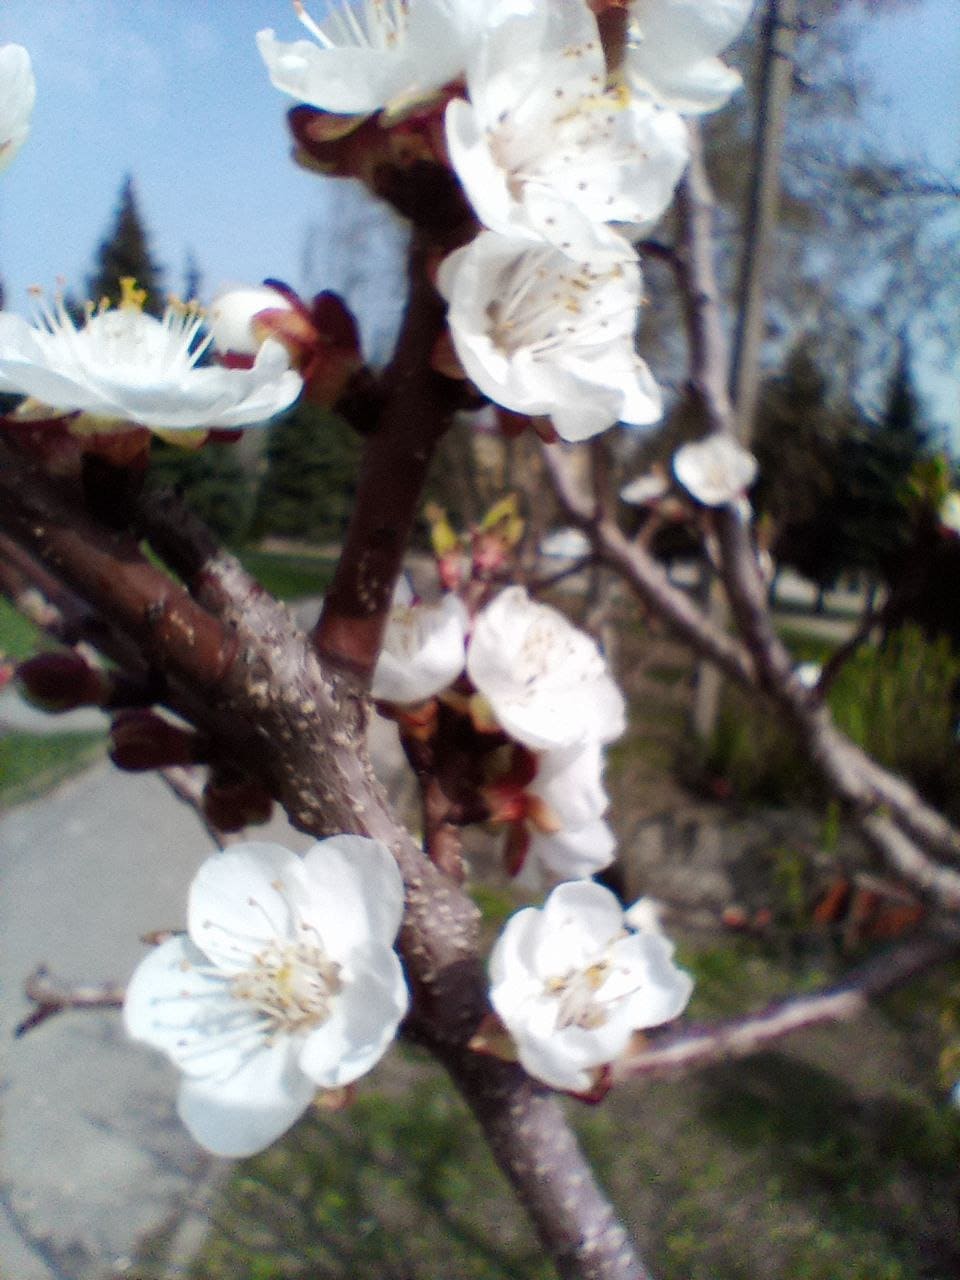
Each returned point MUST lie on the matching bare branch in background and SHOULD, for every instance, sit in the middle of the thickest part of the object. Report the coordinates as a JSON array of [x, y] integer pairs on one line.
[[52, 995], [691, 1049]]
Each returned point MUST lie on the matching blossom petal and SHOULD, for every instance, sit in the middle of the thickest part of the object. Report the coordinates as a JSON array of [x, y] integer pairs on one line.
[[664, 991], [363, 1024], [423, 651], [546, 681], [671, 51], [128, 366], [578, 919], [18, 92], [177, 1002], [574, 852], [253, 1107], [236, 905], [540, 332], [716, 471], [354, 893]]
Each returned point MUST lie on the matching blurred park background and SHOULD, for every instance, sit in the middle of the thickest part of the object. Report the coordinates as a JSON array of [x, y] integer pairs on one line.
[[159, 152]]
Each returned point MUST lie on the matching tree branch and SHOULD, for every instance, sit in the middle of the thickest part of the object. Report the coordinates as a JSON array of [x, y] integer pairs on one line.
[[51, 995], [417, 408], [692, 1048]]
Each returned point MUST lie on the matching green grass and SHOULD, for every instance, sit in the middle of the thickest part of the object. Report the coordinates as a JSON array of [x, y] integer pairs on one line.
[[286, 575], [18, 637], [32, 763]]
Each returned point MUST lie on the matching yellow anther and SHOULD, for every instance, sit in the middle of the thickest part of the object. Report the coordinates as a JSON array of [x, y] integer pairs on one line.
[[131, 298]]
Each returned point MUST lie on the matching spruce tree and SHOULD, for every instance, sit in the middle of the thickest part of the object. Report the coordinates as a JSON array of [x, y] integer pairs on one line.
[[879, 464], [126, 252], [308, 487]]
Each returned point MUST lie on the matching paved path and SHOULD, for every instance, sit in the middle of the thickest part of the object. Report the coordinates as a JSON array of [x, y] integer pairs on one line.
[[92, 1156]]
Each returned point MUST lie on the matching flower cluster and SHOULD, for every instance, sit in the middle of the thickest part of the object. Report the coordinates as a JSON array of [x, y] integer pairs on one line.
[[525, 677], [287, 981], [565, 160]]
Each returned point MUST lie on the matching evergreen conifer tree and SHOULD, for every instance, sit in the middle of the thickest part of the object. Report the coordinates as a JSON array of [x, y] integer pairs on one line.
[[126, 252], [307, 491]]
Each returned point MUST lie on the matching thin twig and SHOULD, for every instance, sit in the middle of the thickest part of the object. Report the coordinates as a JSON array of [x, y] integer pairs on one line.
[[187, 785], [693, 1048], [51, 995]]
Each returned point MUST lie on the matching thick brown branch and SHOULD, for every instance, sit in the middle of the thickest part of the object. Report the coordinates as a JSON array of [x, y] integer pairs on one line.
[[417, 409], [536, 1150], [109, 571], [693, 1048]]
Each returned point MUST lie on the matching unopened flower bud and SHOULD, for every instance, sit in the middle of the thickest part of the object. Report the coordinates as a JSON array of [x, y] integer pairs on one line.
[[232, 802], [233, 318], [141, 739], [62, 682]]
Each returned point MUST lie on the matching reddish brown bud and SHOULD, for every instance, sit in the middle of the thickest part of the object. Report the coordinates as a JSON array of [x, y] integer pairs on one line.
[[141, 739], [62, 681], [323, 341], [231, 803]]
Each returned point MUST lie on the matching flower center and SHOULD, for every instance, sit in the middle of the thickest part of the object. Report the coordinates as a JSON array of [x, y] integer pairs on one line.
[[577, 992], [546, 304], [123, 341], [292, 984]]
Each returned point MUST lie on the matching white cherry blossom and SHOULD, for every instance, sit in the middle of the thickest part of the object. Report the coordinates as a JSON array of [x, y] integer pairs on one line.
[[716, 471], [546, 682], [545, 150], [808, 673], [573, 981], [672, 48], [286, 983], [125, 365], [373, 53], [541, 333], [423, 648], [18, 91]]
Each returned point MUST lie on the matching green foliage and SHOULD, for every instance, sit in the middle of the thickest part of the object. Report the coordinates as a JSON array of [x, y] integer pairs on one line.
[[126, 252], [783, 1168], [837, 487], [395, 1187], [899, 702], [212, 481], [307, 490], [288, 576]]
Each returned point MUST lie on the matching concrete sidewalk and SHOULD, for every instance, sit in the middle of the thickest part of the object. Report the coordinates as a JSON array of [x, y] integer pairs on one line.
[[92, 1156]]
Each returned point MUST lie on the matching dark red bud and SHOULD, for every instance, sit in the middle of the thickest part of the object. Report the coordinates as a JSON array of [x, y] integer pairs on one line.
[[141, 740], [62, 682], [230, 804]]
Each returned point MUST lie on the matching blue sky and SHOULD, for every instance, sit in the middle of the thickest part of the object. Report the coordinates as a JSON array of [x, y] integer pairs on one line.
[[174, 92]]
